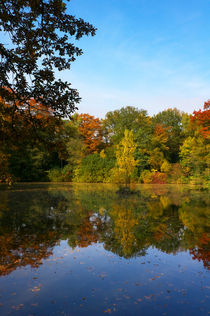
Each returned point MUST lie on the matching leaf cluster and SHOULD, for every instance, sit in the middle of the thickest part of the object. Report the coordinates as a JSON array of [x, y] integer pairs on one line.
[[41, 36]]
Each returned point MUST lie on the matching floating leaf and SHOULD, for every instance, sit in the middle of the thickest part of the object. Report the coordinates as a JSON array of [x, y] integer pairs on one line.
[[36, 289], [108, 311]]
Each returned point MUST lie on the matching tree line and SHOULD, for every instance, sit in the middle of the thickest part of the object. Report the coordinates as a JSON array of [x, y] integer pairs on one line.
[[127, 146], [38, 143]]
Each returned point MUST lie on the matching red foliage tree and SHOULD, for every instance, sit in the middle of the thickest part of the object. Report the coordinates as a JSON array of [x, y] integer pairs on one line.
[[202, 119]]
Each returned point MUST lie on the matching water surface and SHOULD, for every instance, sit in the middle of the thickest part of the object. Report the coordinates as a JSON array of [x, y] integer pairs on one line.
[[85, 250]]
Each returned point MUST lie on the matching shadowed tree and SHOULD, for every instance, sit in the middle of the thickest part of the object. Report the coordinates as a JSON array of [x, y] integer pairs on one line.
[[171, 121], [39, 40]]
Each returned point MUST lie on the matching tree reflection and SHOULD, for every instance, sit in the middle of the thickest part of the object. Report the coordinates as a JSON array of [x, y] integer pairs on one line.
[[194, 213], [33, 222]]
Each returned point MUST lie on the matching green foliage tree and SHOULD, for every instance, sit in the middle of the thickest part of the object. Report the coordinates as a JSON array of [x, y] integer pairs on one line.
[[116, 122], [195, 158], [94, 168]]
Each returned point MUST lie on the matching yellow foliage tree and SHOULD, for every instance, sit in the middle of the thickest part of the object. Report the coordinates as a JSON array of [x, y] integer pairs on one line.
[[125, 156], [124, 228]]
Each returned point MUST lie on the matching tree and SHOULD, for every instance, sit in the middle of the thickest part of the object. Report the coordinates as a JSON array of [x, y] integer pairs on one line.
[[24, 156], [171, 120], [93, 168], [130, 118], [39, 33], [125, 159], [4, 169], [90, 129], [118, 121], [202, 120], [194, 152]]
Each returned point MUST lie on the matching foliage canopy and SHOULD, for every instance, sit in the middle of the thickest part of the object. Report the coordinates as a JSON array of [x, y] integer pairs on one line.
[[41, 37]]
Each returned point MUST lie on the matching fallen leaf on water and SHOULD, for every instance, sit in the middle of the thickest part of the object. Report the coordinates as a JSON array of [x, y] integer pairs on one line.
[[36, 289], [155, 277], [108, 311], [102, 276]]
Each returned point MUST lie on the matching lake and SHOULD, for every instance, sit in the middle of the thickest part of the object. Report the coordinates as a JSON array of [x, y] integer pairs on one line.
[[86, 250]]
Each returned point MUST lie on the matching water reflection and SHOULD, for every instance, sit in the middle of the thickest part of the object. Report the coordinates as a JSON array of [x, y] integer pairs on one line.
[[33, 221]]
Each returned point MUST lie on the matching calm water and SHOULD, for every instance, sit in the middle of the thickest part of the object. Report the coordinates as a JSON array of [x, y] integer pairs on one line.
[[84, 250]]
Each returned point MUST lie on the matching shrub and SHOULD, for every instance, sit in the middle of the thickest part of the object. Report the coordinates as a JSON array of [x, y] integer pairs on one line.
[[159, 178], [146, 176], [93, 168], [67, 173], [55, 175]]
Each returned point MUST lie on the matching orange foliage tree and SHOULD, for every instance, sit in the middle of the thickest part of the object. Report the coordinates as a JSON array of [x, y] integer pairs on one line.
[[26, 128], [34, 115], [91, 129]]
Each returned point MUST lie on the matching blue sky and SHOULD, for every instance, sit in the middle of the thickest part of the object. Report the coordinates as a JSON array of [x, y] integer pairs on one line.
[[146, 53]]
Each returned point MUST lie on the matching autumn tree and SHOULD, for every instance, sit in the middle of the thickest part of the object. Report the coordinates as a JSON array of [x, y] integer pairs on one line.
[[131, 118], [125, 157], [40, 39], [158, 148], [202, 120], [171, 121], [28, 147], [90, 129], [194, 152]]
